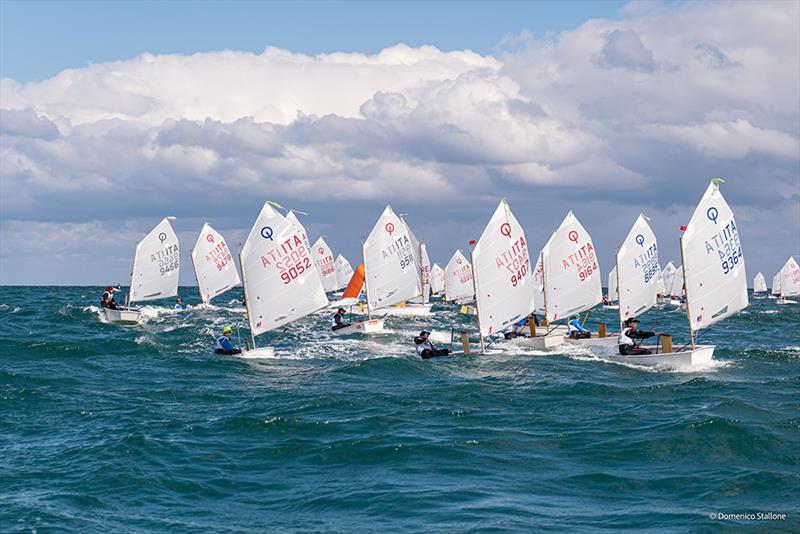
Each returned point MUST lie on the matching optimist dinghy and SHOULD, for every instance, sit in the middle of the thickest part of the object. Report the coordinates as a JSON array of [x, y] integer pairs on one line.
[[458, 286], [789, 282], [214, 268], [775, 292], [502, 274], [437, 279], [613, 294], [715, 279], [571, 276], [759, 284], [418, 306], [156, 264], [281, 282], [667, 277]]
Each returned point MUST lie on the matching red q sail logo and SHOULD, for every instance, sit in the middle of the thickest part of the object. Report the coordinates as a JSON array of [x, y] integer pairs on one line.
[[573, 236], [389, 228], [505, 229], [458, 261], [210, 238], [321, 250]]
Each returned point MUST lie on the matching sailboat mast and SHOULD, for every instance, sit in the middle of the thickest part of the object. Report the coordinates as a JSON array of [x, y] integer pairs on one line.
[[475, 290], [128, 300], [246, 300], [686, 293], [366, 279], [619, 292]]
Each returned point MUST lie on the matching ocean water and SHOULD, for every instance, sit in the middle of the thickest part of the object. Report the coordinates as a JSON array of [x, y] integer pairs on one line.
[[143, 429]]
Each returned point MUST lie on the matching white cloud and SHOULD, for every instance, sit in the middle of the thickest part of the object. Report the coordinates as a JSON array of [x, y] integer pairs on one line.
[[652, 103]]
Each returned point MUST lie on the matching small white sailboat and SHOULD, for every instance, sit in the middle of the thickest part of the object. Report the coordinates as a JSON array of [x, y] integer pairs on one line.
[[502, 274], [667, 277], [437, 279], [418, 306], [214, 268], [613, 294], [281, 283], [344, 272], [715, 278], [390, 273], [775, 292], [572, 280], [458, 286], [759, 284], [156, 265], [790, 282], [323, 261], [677, 291]]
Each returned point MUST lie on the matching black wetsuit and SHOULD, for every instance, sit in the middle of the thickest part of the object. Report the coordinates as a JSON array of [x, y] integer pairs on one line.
[[628, 349]]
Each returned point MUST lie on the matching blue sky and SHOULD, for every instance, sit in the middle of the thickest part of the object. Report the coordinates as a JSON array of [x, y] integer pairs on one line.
[[38, 39], [205, 110]]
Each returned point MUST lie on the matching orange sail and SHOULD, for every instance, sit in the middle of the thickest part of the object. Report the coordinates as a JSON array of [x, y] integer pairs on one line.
[[356, 283]]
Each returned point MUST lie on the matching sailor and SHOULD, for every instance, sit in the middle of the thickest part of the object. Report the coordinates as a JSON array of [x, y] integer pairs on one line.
[[627, 338], [107, 300], [425, 349], [224, 345], [179, 305], [337, 321], [517, 329], [576, 331]]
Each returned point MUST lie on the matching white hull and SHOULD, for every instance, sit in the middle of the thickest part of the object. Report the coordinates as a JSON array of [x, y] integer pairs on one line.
[[674, 302], [260, 353], [410, 310], [687, 358], [594, 341], [541, 342], [371, 326], [122, 316], [786, 301], [610, 306], [773, 297]]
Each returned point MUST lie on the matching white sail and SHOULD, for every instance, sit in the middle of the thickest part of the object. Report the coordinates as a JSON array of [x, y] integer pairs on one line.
[[637, 264], [213, 262], [502, 269], [790, 279], [713, 262], [156, 264], [538, 285], [571, 272], [759, 283], [344, 272], [776, 284], [281, 283], [323, 261], [437, 279], [425, 269], [458, 278], [613, 296], [660, 289], [668, 275], [676, 291], [391, 274]]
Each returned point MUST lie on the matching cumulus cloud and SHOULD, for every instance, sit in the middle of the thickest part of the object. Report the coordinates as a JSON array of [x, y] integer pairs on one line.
[[623, 114]]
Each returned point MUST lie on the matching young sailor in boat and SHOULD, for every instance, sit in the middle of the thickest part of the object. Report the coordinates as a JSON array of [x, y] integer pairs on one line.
[[627, 338], [338, 320], [426, 349], [224, 345], [179, 305], [576, 331], [107, 301], [521, 328]]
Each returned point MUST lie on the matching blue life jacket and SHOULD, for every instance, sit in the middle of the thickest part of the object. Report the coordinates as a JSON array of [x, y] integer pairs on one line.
[[223, 343]]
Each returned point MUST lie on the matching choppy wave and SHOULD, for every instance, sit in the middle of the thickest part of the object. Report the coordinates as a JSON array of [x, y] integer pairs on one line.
[[144, 429]]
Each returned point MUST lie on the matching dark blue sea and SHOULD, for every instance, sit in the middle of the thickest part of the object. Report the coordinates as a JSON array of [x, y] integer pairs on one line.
[[142, 429]]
